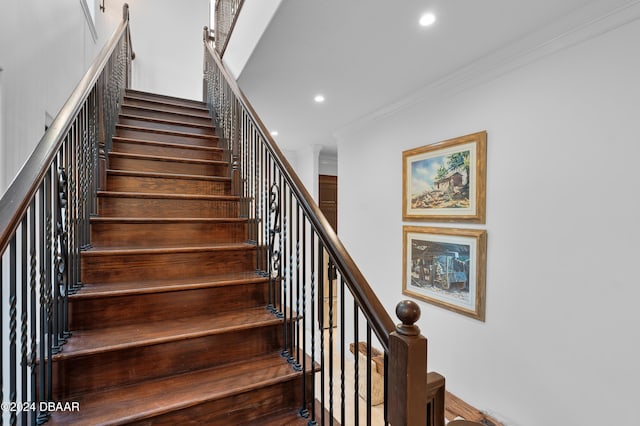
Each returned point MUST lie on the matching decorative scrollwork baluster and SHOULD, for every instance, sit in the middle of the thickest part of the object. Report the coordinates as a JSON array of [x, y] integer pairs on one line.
[[274, 252], [62, 255]]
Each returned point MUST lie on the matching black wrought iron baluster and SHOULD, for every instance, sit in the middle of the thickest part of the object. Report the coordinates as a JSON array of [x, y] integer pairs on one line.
[[43, 416], [82, 191], [255, 189], [386, 388], [24, 318], [258, 208], [313, 301], [86, 188], [356, 362], [290, 247], [13, 327], [76, 191], [56, 345], [296, 333], [342, 353], [321, 277], [69, 152], [252, 175], [2, 338], [266, 187], [235, 146], [95, 145], [274, 254], [263, 213], [245, 137], [330, 278], [62, 282], [74, 216], [266, 213], [285, 266], [304, 411], [49, 229], [369, 378], [33, 262], [66, 247]]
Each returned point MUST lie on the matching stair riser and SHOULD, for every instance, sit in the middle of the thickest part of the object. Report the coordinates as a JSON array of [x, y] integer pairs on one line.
[[86, 314], [182, 116], [160, 137], [165, 207], [130, 121], [130, 267], [122, 367], [158, 185], [242, 409], [165, 151], [163, 102], [123, 234], [145, 165]]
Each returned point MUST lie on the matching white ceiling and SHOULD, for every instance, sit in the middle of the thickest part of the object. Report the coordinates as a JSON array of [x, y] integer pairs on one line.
[[364, 55]]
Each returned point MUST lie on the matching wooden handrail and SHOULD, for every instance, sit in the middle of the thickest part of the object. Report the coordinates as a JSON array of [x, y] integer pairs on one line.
[[372, 308], [16, 199]]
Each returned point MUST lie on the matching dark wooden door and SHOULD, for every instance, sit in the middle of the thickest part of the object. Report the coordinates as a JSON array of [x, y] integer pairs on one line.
[[328, 198], [328, 202]]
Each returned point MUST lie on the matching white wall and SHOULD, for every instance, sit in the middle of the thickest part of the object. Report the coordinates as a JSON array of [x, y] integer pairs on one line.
[[167, 40], [306, 167], [2, 142], [328, 163], [249, 27], [45, 48], [560, 345]]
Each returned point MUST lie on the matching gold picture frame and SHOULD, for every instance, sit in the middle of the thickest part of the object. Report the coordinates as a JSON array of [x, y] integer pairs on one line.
[[446, 267], [446, 181]]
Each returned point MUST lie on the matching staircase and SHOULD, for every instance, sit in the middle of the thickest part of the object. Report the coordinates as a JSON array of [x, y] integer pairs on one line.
[[171, 325]]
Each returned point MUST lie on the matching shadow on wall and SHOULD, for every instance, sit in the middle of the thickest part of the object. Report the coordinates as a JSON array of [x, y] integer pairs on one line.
[[3, 167]]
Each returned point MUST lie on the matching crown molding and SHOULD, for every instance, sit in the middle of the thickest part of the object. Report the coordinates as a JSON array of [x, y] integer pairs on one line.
[[591, 21]]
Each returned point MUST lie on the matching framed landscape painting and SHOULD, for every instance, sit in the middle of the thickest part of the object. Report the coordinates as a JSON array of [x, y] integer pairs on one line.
[[446, 267], [446, 181]]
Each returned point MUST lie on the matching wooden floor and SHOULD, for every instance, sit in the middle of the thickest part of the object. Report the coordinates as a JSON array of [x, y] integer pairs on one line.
[[455, 408]]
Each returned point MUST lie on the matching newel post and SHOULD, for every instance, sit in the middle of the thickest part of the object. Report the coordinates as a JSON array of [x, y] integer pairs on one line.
[[407, 369]]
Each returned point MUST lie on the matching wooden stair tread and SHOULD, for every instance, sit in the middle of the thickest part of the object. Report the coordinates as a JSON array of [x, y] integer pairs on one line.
[[186, 113], [287, 418], [167, 144], [171, 325], [123, 288], [166, 121], [157, 220], [172, 196], [88, 342], [100, 251], [134, 173], [166, 132], [165, 158], [148, 399]]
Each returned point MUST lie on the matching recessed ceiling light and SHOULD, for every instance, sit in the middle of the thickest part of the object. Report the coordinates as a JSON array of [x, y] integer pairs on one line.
[[319, 99], [274, 133], [427, 19]]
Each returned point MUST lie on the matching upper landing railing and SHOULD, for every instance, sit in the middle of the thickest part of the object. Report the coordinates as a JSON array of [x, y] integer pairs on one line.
[[44, 224], [226, 13], [326, 304]]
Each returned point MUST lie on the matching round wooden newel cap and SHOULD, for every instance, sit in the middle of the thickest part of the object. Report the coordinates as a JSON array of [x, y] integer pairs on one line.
[[408, 312]]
